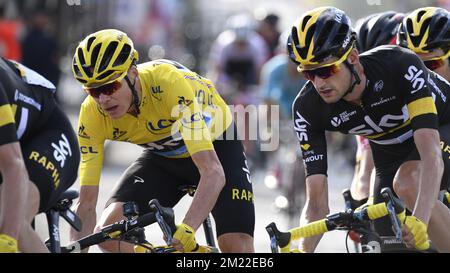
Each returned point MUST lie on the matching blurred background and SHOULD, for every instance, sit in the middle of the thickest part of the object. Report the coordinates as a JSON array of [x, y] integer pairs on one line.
[[236, 43]]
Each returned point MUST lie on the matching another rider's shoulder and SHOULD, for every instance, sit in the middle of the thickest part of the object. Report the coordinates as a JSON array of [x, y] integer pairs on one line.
[[390, 54]]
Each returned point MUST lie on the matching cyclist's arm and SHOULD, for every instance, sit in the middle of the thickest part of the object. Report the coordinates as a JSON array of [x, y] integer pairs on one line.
[[85, 209], [313, 146], [427, 143], [316, 208], [91, 139], [196, 135], [414, 87], [14, 189], [360, 187], [212, 180]]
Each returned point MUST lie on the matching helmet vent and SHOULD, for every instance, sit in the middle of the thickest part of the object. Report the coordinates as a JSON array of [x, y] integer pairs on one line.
[[123, 55], [309, 35], [94, 55], [323, 35], [106, 58], [417, 39], [305, 21], [89, 43], [105, 75], [86, 69], [420, 14]]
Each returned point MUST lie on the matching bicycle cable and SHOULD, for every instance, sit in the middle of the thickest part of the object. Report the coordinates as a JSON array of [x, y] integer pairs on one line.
[[346, 241]]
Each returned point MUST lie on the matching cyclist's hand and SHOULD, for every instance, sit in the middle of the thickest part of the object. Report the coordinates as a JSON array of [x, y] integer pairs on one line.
[[296, 250], [286, 249], [8, 244], [184, 238], [414, 233]]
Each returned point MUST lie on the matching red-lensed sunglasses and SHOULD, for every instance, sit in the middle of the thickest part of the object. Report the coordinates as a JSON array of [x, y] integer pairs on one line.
[[107, 89], [322, 72], [436, 62]]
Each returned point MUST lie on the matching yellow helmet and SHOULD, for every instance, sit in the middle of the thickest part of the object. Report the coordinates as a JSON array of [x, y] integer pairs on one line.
[[319, 34], [425, 29], [102, 56]]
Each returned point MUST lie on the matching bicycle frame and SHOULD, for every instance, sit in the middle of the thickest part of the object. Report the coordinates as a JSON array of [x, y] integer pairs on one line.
[[132, 231]]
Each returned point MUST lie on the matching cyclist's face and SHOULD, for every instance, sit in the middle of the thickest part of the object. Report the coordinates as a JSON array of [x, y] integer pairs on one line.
[[333, 88], [440, 66], [116, 104]]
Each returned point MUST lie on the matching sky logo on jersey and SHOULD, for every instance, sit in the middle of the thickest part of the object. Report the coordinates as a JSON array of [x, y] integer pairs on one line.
[[413, 76], [62, 150], [387, 121], [300, 127]]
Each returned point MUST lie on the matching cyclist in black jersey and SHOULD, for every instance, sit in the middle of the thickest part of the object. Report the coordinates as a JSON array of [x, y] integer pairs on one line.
[[372, 31], [386, 95], [37, 144], [426, 31]]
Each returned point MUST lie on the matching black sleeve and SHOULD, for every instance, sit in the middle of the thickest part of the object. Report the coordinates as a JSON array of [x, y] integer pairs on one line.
[[413, 86], [312, 139], [7, 123]]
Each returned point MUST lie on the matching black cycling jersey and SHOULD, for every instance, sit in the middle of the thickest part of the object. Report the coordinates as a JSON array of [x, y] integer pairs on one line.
[[401, 95], [29, 115], [23, 109]]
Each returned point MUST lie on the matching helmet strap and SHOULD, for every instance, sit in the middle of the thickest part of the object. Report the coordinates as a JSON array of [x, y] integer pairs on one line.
[[357, 78], [134, 93]]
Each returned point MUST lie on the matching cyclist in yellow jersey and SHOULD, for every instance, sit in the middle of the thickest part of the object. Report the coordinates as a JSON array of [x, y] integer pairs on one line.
[[187, 132]]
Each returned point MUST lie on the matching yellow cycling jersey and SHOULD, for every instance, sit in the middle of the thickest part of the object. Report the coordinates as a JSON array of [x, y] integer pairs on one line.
[[181, 113]]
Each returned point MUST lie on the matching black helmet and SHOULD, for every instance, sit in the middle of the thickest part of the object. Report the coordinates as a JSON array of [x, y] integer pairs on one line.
[[378, 29], [320, 34], [425, 29]]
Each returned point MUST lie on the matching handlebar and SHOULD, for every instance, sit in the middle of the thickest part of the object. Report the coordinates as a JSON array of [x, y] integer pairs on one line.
[[347, 220], [165, 219], [164, 216]]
